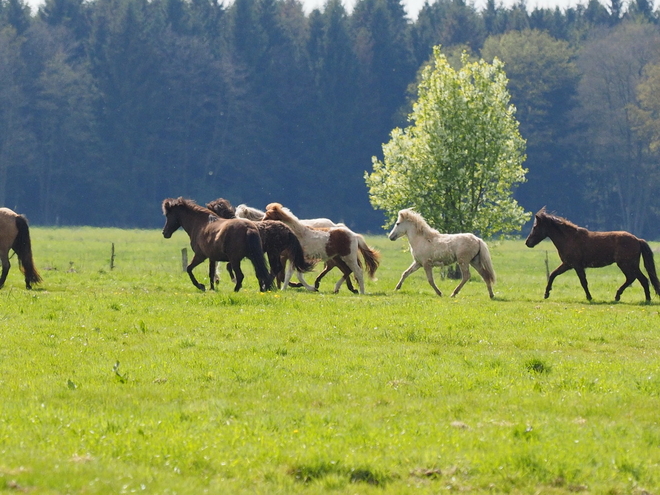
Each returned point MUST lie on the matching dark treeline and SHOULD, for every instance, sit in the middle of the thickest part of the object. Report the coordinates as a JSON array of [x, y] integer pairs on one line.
[[109, 106]]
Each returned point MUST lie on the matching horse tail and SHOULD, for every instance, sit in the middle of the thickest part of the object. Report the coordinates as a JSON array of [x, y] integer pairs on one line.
[[255, 253], [297, 255], [485, 262], [22, 246], [647, 255], [371, 256]]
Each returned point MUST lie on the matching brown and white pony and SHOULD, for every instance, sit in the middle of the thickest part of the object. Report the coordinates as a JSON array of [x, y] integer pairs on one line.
[[279, 242], [15, 235], [334, 243], [245, 211], [580, 248], [430, 248], [216, 239]]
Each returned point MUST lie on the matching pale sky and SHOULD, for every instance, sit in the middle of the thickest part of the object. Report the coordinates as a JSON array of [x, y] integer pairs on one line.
[[413, 6]]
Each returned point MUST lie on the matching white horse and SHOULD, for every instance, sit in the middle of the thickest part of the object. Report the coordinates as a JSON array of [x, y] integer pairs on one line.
[[339, 244], [430, 248]]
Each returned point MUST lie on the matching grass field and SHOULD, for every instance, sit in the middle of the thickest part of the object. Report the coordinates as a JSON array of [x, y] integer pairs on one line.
[[132, 381]]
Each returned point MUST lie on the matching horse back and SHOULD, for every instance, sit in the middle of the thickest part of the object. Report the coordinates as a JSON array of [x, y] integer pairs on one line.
[[225, 238], [598, 249], [445, 249]]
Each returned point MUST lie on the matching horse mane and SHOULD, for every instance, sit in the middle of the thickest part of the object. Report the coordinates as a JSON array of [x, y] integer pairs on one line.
[[222, 208], [418, 221], [282, 213], [170, 203], [245, 211], [557, 221]]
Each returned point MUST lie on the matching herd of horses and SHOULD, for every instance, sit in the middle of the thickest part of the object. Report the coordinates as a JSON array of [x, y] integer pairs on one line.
[[220, 233]]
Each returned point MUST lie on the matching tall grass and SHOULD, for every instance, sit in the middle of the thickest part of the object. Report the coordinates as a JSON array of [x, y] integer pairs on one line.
[[131, 380]]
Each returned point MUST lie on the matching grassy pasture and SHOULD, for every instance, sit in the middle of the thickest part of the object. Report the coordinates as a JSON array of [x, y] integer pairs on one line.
[[133, 381]]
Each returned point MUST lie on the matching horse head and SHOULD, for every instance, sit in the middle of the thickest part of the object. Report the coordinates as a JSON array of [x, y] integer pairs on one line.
[[539, 231], [172, 221], [222, 208], [275, 211], [400, 227]]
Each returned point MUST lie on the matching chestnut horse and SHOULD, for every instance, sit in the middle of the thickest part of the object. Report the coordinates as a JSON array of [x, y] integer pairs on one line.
[[15, 234], [216, 239], [279, 242], [580, 248], [336, 243]]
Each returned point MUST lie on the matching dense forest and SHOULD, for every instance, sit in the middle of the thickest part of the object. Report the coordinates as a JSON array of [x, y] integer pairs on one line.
[[109, 106]]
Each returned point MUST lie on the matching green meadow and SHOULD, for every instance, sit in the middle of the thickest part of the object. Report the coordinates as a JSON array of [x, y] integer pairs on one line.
[[130, 380]]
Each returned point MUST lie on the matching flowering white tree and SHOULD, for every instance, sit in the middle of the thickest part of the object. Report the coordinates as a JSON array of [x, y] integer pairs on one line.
[[459, 160]]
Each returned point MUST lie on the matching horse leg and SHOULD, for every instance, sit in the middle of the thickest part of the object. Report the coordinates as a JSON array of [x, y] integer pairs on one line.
[[288, 280], [428, 268], [5, 268], [212, 273], [197, 259], [563, 268], [231, 272], [355, 267], [239, 276], [485, 277], [632, 274], [304, 282], [582, 275], [645, 284], [341, 264], [465, 274], [412, 268], [288, 273], [329, 265]]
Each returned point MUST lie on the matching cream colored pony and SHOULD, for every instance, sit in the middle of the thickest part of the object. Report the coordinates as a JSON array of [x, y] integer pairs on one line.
[[430, 248]]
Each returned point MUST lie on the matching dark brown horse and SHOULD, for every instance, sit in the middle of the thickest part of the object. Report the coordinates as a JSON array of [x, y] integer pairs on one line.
[[15, 234], [216, 239], [278, 241], [580, 248]]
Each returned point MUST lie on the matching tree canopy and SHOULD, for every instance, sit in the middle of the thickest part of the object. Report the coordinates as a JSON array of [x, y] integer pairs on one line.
[[460, 157]]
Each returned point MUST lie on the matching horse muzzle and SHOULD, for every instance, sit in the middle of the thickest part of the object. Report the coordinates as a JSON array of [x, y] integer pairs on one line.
[[529, 242], [167, 235]]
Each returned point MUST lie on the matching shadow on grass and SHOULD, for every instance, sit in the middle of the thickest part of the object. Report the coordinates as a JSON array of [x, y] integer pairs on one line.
[[312, 472]]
